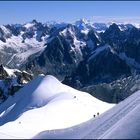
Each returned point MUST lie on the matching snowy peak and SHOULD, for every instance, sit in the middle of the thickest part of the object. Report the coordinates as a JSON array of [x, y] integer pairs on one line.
[[114, 27], [31, 24], [82, 24], [101, 26], [36, 46]]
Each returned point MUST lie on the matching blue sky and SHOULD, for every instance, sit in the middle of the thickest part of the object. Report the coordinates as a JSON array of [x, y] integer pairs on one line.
[[68, 11]]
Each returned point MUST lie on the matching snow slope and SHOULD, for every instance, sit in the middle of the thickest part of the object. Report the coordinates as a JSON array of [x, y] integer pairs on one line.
[[46, 104], [120, 122], [127, 127], [16, 52]]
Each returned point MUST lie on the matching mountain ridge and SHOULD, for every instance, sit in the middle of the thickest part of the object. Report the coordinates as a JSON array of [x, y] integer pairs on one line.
[[86, 52]]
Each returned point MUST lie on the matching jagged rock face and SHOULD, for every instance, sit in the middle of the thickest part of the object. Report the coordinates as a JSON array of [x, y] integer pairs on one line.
[[61, 56], [23, 77], [120, 59], [107, 66], [94, 70], [15, 29], [58, 50], [132, 50], [73, 82], [94, 37], [57, 58], [67, 49], [19, 42], [113, 33], [2, 36], [104, 92], [11, 80], [133, 33], [80, 54], [131, 46], [38, 28], [3, 73], [115, 91]]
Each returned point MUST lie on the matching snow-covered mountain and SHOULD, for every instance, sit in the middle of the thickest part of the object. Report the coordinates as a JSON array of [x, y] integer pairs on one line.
[[31, 45], [99, 58], [18, 42], [46, 104], [83, 53], [114, 55], [120, 122]]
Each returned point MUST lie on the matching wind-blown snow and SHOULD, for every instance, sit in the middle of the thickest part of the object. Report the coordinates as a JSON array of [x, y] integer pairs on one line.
[[46, 104]]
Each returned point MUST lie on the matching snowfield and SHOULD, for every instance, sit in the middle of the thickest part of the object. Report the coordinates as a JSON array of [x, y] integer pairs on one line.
[[45, 104], [120, 122], [18, 52]]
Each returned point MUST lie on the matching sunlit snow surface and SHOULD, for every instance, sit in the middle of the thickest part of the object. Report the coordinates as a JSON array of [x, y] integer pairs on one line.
[[120, 122], [46, 104], [17, 51]]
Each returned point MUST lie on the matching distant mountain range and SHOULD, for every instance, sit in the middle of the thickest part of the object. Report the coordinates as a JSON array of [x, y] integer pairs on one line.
[[80, 54], [102, 59]]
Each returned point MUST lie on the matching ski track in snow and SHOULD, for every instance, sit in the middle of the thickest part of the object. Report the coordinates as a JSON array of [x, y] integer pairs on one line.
[[112, 118], [129, 123]]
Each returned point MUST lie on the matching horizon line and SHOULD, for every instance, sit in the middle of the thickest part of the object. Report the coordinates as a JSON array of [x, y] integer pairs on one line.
[[93, 19]]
